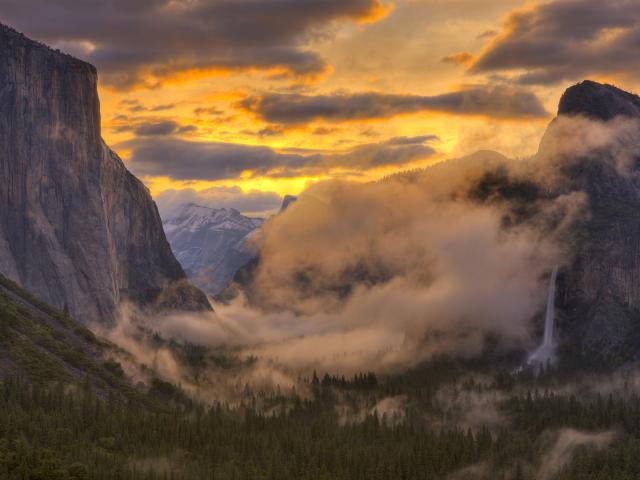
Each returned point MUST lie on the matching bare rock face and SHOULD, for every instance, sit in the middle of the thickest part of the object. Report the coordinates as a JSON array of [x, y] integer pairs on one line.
[[76, 227], [286, 201], [592, 148], [599, 295], [599, 101]]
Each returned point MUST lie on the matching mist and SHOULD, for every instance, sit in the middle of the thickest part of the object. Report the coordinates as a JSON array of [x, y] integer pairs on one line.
[[388, 274], [382, 276], [339, 289], [567, 441]]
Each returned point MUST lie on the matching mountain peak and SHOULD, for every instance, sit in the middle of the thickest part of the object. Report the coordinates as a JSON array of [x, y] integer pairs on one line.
[[193, 217], [286, 201], [599, 101], [194, 210], [211, 243]]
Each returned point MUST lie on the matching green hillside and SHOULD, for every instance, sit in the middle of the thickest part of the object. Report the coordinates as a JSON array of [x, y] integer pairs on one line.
[[44, 345]]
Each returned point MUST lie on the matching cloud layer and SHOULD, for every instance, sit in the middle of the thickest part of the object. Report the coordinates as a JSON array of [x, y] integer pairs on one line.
[[190, 160], [380, 276], [136, 42], [566, 40], [496, 101], [430, 272]]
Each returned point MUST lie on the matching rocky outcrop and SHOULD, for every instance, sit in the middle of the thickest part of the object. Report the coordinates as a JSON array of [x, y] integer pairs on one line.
[[286, 201], [76, 228], [599, 296], [599, 101], [591, 148]]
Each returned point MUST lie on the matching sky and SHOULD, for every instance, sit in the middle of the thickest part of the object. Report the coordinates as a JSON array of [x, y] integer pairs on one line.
[[235, 103]]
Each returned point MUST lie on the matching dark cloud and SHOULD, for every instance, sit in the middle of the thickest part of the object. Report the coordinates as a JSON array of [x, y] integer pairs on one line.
[[370, 133], [462, 58], [129, 101], [161, 108], [143, 41], [153, 128], [324, 130], [208, 111], [271, 131], [186, 160], [165, 127], [135, 106], [381, 154], [488, 34], [566, 40], [413, 140], [187, 129], [497, 101]]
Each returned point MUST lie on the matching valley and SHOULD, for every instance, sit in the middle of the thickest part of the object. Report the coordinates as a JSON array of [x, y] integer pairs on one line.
[[344, 281]]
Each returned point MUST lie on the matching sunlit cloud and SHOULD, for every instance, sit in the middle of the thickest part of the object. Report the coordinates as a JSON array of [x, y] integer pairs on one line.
[[143, 42], [272, 96]]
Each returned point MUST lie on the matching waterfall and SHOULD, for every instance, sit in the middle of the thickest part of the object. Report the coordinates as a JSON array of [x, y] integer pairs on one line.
[[550, 313], [544, 353]]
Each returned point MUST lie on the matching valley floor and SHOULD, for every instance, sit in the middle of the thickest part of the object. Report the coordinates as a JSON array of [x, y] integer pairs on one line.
[[535, 432]]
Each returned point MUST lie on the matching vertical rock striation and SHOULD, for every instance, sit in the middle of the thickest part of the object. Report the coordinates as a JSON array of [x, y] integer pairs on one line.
[[76, 227]]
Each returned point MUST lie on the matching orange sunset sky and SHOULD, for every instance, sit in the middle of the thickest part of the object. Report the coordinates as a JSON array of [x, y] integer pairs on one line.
[[237, 103]]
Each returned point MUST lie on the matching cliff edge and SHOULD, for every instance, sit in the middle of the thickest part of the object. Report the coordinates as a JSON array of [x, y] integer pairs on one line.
[[76, 227]]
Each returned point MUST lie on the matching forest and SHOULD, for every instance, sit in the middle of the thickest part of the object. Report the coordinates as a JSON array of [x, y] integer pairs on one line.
[[69, 413], [60, 432]]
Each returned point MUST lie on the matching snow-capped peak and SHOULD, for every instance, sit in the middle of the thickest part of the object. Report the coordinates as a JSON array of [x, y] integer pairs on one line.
[[192, 217]]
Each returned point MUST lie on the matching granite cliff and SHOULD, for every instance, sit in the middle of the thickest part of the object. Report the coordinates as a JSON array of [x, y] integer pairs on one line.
[[76, 228], [599, 295], [592, 149], [590, 152]]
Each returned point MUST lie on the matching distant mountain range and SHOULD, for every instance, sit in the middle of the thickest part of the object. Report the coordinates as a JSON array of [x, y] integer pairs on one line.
[[211, 244]]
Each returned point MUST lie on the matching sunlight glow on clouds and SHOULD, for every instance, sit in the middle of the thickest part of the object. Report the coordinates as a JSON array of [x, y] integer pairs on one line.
[[273, 96]]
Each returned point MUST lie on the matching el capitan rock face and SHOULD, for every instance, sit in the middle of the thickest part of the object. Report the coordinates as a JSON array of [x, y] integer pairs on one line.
[[76, 227]]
